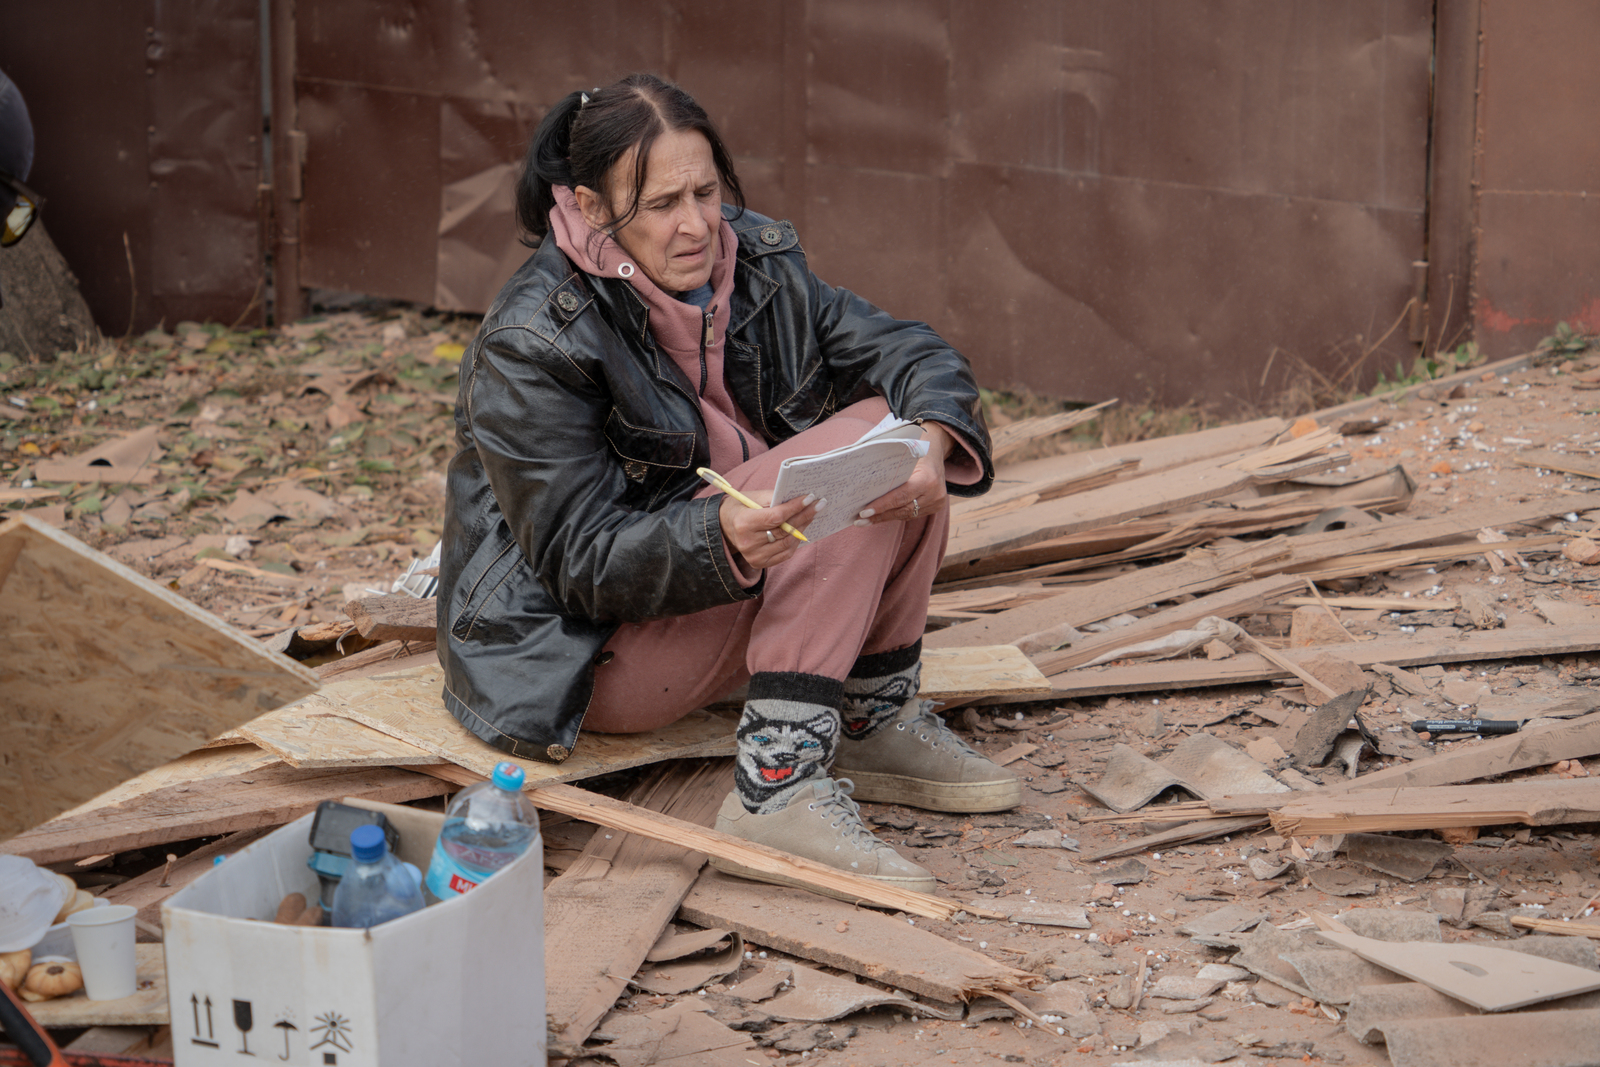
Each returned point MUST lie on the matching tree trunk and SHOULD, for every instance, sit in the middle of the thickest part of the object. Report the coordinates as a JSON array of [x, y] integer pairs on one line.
[[44, 310]]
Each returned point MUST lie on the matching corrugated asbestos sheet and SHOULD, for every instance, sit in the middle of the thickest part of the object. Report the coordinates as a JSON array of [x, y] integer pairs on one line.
[[1121, 197]]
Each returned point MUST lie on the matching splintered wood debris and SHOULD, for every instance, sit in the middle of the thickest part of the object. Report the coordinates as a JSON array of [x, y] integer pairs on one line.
[[1318, 589]]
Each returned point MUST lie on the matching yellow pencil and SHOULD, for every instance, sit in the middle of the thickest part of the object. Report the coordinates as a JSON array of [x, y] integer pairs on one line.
[[720, 482]]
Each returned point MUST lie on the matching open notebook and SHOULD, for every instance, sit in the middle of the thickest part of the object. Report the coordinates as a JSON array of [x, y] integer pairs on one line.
[[854, 475]]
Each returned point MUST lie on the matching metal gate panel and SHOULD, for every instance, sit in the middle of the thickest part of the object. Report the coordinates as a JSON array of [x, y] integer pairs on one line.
[[1539, 172]]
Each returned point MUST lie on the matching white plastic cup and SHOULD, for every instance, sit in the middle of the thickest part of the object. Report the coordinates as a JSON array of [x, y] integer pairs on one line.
[[104, 939]]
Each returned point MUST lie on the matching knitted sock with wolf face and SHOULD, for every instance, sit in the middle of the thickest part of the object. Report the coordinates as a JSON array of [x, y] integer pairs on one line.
[[788, 736], [879, 685]]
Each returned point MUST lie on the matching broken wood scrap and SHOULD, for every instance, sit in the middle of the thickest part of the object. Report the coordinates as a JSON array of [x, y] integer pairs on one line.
[[1180, 835], [381, 658], [1201, 572], [872, 945], [618, 815], [1015, 436], [1555, 926], [1157, 453], [396, 617], [173, 675], [1356, 566], [1010, 498], [1401, 650], [1244, 599], [606, 911], [1584, 467], [1295, 448], [1126, 499], [1530, 802], [269, 796], [302, 737]]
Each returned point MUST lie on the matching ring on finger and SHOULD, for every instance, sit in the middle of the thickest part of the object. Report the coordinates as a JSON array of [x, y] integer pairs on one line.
[[770, 539], [914, 507]]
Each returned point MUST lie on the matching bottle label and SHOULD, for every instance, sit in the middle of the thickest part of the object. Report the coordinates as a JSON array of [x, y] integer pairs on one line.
[[446, 878]]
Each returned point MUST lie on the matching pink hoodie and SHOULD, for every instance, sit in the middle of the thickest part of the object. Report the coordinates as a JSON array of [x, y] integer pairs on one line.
[[678, 327]]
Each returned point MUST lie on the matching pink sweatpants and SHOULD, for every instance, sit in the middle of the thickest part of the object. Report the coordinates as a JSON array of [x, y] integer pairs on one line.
[[861, 591]]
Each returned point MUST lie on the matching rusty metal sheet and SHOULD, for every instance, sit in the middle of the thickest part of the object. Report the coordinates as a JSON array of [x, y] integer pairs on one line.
[[1166, 291], [205, 160], [369, 219], [477, 210], [1537, 261], [155, 145]]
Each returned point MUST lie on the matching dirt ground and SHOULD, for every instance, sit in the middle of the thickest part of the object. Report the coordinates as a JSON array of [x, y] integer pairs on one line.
[[353, 413]]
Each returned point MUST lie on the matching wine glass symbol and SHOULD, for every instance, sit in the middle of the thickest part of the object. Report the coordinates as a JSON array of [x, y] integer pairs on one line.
[[244, 1019]]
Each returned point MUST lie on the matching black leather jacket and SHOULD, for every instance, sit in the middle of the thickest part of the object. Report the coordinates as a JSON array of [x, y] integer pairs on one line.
[[570, 501]]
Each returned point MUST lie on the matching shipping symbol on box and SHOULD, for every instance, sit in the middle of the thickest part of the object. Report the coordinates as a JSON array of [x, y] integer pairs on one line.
[[330, 1033]]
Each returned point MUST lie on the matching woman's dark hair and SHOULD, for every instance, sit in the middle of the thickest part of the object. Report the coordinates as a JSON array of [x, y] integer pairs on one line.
[[579, 141]]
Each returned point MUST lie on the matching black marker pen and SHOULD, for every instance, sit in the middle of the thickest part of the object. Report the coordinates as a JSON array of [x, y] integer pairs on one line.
[[1466, 726]]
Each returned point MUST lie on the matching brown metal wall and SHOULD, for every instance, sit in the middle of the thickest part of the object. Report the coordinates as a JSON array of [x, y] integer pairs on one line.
[[1091, 197], [1537, 257], [147, 119]]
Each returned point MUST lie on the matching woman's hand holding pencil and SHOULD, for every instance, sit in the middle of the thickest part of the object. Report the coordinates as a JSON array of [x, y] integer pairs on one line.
[[761, 533]]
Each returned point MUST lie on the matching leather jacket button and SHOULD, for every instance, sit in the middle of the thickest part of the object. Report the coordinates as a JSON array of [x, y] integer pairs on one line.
[[604, 657], [771, 235], [567, 302]]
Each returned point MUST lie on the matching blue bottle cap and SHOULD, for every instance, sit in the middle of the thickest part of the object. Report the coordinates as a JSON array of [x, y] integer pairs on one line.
[[508, 775], [367, 843]]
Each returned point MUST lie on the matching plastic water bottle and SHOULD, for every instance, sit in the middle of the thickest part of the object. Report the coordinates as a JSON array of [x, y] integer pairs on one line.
[[376, 887], [486, 827]]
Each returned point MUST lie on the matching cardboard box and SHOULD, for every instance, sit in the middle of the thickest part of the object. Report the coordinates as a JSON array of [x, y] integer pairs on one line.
[[459, 982]]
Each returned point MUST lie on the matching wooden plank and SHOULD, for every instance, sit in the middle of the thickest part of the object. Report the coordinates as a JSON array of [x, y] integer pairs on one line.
[[969, 511], [235, 761], [603, 915], [271, 796], [872, 945], [619, 815], [1155, 454], [1400, 651], [1532, 803], [1583, 466], [395, 618], [117, 675], [1200, 573], [147, 1006], [951, 674], [1239, 600], [406, 705], [1178, 835], [1098, 507]]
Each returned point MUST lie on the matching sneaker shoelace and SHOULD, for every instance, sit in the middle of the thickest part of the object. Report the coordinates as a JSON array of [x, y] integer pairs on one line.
[[844, 815], [932, 728]]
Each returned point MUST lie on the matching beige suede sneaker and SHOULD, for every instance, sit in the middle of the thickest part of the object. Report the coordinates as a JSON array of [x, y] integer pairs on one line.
[[823, 824], [916, 760]]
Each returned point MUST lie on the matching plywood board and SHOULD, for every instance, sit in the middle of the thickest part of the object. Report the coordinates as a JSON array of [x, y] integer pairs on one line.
[[1490, 979], [406, 705], [105, 674], [146, 1007], [951, 674], [303, 738]]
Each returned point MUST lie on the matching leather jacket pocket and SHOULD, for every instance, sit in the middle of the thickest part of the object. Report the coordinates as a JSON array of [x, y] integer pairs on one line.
[[650, 458], [497, 558], [809, 402]]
